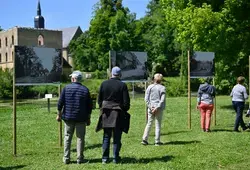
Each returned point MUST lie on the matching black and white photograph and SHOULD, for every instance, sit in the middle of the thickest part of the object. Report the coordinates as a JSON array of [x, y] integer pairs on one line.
[[132, 64], [202, 64], [37, 65]]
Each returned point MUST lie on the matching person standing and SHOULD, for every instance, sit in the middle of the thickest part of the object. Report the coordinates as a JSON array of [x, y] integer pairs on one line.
[[113, 102], [205, 103], [239, 95], [155, 101], [74, 107]]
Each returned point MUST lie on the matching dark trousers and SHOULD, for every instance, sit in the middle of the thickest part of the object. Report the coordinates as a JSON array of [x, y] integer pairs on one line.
[[117, 135], [239, 107]]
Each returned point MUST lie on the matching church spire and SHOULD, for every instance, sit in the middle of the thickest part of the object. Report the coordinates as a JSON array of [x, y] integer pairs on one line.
[[39, 12], [39, 20]]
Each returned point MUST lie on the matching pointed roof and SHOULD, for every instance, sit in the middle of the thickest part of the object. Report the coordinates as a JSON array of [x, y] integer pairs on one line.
[[69, 34], [39, 11]]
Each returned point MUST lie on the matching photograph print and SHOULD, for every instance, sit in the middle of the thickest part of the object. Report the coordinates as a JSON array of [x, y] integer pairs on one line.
[[132, 64], [202, 64], [37, 65]]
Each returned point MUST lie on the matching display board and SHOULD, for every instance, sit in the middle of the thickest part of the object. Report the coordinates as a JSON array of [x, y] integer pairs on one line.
[[37, 65], [133, 64], [202, 64]]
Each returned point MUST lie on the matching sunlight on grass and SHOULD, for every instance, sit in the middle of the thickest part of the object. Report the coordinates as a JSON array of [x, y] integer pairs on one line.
[[38, 146]]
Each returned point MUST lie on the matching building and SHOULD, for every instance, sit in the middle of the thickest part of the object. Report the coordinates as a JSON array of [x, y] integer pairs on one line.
[[69, 34], [37, 36]]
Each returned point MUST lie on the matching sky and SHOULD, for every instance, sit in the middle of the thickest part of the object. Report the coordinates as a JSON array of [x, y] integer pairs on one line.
[[57, 13]]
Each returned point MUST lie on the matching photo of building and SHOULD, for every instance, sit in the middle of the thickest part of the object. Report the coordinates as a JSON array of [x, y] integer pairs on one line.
[[202, 64]]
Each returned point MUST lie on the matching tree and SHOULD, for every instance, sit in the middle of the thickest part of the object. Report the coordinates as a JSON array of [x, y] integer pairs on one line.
[[110, 29], [224, 30]]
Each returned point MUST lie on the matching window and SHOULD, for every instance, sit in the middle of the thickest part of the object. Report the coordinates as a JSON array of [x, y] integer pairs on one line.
[[0, 57], [6, 56], [12, 40], [12, 55], [40, 40], [6, 41]]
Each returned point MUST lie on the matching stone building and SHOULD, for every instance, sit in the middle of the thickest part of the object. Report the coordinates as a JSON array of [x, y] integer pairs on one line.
[[37, 36]]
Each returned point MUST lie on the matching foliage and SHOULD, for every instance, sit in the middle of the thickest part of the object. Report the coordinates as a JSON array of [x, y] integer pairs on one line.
[[110, 29], [38, 144], [6, 83], [201, 25]]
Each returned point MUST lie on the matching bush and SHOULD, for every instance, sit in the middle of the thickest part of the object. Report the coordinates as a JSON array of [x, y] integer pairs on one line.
[[174, 87], [6, 83]]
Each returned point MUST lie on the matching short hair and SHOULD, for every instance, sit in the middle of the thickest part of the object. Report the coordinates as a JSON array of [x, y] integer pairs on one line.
[[158, 77], [241, 80]]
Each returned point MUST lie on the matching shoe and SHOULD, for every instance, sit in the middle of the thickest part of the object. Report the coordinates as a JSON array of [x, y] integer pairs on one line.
[[104, 161], [158, 143], [144, 142], [82, 161], [66, 162], [117, 160], [208, 130]]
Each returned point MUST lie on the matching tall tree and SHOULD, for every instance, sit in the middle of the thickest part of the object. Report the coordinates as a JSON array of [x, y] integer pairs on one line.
[[110, 29]]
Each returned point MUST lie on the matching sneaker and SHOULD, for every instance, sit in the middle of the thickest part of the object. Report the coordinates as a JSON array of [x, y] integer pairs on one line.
[[144, 142], [117, 160], [158, 143], [66, 161], [208, 130], [104, 161]]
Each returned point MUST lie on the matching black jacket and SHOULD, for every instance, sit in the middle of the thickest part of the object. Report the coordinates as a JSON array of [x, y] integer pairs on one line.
[[114, 102], [116, 91]]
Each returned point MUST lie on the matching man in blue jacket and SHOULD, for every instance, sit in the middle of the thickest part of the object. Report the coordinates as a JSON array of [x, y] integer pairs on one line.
[[74, 107]]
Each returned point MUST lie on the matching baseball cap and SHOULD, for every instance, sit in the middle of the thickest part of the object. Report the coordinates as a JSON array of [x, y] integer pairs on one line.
[[76, 74], [116, 71]]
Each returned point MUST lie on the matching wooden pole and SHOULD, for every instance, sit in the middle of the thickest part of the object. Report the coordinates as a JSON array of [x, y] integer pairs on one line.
[[14, 104], [60, 123], [214, 120], [189, 92]]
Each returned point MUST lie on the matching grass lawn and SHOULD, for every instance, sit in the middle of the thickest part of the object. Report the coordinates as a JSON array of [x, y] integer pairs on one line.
[[38, 145]]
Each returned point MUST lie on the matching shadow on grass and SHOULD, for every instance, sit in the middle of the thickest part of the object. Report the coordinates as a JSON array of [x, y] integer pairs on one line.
[[222, 130], [128, 160], [170, 133], [12, 167], [181, 142]]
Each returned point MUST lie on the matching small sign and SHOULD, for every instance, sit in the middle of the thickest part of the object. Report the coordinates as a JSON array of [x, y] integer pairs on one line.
[[48, 96]]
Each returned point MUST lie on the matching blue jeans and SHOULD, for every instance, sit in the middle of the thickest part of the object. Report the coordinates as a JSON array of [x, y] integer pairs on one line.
[[239, 107], [117, 135]]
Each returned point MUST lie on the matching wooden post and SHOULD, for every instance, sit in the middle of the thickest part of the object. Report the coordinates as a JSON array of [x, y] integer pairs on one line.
[[60, 123], [214, 120], [189, 92], [48, 105], [14, 105]]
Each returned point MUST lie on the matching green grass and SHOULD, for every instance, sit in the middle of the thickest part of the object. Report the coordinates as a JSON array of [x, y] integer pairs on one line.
[[38, 144]]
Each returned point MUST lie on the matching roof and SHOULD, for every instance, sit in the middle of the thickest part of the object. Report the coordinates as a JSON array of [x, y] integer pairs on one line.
[[68, 34]]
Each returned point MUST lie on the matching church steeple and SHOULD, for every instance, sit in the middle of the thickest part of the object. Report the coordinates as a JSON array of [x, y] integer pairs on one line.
[[39, 20]]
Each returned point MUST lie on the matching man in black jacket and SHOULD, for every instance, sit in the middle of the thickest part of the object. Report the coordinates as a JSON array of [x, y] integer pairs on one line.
[[76, 104], [113, 101]]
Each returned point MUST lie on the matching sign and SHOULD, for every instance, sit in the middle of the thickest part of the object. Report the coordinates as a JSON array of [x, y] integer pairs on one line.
[[48, 96], [202, 64]]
